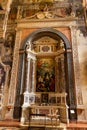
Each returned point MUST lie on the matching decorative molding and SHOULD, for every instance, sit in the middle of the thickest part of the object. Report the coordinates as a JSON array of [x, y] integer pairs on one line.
[[40, 24]]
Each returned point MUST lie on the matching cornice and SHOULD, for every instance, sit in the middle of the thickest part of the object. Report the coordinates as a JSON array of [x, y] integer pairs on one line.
[[25, 23], [22, 20]]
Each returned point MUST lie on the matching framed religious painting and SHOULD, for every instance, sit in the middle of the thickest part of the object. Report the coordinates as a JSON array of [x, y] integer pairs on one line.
[[45, 75], [44, 98]]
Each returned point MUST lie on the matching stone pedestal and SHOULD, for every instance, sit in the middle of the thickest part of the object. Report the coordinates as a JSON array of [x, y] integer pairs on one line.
[[25, 113], [9, 113]]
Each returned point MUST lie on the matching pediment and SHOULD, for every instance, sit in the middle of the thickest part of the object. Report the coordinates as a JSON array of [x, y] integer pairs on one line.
[[47, 44], [46, 41]]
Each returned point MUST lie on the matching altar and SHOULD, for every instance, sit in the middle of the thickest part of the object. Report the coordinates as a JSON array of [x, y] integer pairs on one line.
[[47, 113]]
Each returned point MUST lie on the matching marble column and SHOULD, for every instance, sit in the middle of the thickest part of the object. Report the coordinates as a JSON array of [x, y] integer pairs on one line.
[[28, 74], [34, 76], [26, 93], [26, 103], [59, 73], [63, 73], [29, 91], [56, 74], [22, 74]]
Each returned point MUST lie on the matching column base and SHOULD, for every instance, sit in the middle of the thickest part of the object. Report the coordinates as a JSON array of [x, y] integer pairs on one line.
[[25, 114], [22, 120], [26, 105]]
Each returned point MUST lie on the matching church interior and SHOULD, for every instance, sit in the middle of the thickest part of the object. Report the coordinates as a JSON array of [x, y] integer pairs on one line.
[[43, 62]]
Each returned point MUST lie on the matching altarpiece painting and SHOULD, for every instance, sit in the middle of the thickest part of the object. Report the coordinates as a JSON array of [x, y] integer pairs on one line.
[[45, 75]]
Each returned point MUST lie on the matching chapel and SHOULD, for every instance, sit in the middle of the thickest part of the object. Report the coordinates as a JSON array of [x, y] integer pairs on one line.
[[43, 60]]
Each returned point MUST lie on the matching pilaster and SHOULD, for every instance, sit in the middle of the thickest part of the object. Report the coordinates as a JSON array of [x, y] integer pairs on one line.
[[76, 66], [12, 88], [78, 91]]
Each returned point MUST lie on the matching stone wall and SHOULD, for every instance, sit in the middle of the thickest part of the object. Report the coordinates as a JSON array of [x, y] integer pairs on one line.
[[82, 51]]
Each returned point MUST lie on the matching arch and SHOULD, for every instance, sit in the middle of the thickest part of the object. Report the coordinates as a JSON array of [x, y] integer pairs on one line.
[[46, 32], [55, 34]]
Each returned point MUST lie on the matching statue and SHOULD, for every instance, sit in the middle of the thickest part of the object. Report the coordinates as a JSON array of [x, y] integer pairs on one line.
[[28, 45]]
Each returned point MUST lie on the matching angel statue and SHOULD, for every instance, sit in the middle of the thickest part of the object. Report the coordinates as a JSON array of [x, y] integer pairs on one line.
[[28, 45]]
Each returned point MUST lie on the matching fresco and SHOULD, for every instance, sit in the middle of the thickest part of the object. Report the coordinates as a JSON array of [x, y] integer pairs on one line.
[[44, 9], [45, 75]]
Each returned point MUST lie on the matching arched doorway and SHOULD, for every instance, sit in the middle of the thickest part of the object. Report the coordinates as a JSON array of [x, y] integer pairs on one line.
[[49, 44]]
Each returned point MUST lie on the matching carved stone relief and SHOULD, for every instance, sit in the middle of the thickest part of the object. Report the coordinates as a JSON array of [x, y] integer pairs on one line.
[[50, 10]]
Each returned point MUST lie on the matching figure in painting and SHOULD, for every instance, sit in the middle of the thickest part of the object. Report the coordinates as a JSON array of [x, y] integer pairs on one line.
[[52, 83], [41, 86], [47, 81]]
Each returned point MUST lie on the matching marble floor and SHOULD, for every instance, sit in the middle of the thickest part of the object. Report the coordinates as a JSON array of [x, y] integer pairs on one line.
[[77, 126], [33, 128], [15, 125]]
